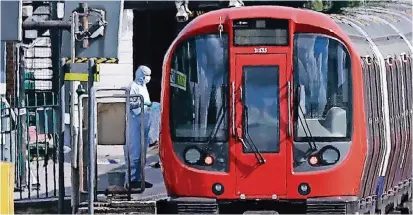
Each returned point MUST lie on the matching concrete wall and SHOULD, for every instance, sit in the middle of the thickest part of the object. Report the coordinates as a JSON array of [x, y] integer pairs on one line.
[[113, 75], [120, 75]]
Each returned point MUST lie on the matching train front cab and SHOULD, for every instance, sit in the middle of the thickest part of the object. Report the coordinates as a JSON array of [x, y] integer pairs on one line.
[[258, 119]]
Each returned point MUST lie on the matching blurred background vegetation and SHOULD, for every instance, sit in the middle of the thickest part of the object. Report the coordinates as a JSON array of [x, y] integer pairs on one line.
[[332, 6]]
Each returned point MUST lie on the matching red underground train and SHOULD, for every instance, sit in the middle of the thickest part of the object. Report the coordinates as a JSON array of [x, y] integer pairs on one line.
[[265, 107]]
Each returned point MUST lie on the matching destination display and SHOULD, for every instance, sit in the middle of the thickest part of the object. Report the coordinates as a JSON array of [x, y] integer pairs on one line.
[[253, 32]]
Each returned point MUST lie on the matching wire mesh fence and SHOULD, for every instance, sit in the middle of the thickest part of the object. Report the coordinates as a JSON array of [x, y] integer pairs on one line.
[[29, 137], [29, 116]]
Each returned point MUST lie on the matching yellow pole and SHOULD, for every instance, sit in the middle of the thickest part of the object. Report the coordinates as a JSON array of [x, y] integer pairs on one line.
[[6, 188]]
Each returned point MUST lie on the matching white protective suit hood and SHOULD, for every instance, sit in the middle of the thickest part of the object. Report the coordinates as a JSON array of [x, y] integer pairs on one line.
[[143, 75], [138, 86]]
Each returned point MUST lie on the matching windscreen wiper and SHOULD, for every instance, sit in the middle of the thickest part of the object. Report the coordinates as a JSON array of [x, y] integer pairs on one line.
[[249, 140], [220, 118], [309, 136]]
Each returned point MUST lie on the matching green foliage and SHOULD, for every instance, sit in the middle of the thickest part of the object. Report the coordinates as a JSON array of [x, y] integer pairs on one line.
[[317, 5], [331, 6], [354, 3]]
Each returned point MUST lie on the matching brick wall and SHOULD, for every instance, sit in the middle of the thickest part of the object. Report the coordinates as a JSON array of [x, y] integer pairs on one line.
[[10, 67]]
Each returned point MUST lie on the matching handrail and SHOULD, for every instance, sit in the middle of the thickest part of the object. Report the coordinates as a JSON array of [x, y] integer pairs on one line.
[[93, 139]]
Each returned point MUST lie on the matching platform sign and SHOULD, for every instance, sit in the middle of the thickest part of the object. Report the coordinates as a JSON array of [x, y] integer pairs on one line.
[[104, 47], [11, 20], [80, 72]]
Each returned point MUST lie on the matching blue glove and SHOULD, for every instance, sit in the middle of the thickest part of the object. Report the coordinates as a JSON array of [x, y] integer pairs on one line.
[[149, 104]]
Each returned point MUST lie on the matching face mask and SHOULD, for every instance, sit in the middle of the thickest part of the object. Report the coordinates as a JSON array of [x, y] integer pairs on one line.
[[147, 79]]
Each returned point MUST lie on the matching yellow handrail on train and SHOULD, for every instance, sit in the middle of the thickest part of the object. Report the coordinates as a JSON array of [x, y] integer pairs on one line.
[[6, 188]]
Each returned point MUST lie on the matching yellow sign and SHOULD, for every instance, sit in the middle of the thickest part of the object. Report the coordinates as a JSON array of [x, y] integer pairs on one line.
[[82, 76], [178, 79], [71, 76], [196, 13]]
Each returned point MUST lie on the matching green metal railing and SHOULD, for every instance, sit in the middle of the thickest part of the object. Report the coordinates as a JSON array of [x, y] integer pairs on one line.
[[29, 138]]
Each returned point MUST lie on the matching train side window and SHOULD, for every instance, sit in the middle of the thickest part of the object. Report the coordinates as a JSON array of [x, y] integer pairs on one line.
[[323, 90], [395, 95], [374, 100], [398, 94], [403, 106], [407, 69], [403, 92], [378, 104], [375, 128], [409, 90], [397, 107], [367, 99], [367, 96], [377, 88], [402, 86], [390, 89]]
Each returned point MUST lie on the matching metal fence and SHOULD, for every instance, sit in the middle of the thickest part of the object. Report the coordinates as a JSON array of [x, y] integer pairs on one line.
[[29, 116], [29, 138]]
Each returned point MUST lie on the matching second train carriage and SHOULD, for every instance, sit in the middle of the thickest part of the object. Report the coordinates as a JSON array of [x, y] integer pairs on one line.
[[383, 38]]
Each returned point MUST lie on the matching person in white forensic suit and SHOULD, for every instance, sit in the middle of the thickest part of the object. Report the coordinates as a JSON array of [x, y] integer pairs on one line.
[[138, 86]]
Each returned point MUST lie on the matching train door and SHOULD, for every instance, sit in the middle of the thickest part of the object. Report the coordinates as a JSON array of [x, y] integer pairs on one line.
[[262, 127]]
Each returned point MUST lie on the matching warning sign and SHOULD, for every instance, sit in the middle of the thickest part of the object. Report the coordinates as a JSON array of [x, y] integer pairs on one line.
[[178, 79]]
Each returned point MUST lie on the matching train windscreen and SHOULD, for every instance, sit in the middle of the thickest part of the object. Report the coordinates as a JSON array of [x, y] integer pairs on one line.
[[198, 90], [323, 92]]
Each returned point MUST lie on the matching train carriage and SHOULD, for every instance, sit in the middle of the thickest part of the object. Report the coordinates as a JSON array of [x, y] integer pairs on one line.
[[268, 105]]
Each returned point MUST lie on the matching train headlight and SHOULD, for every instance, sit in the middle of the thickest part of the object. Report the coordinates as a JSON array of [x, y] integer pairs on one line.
[[208, 160], [329, 155], [313, 160], [304, 189], [192, 155], [217, 189]]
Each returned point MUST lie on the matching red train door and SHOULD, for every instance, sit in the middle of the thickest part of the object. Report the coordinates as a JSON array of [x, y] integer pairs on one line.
[[262, 121]]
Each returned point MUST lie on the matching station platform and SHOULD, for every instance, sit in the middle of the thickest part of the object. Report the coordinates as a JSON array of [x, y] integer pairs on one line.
[[109, 158], [145, 203]]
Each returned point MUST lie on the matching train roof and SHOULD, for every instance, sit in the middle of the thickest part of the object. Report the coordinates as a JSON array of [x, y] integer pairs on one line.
[[298, 16], [387, 26], [384, 27]]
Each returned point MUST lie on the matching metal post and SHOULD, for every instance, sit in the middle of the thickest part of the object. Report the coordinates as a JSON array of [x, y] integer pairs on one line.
[[91, 139], [72, 34], [55, 25], [22, 134], [61, 121], [17, 147], [47, 25], [85, 22], [128, 142], [73, 131], [72, 90], [143, 151]]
